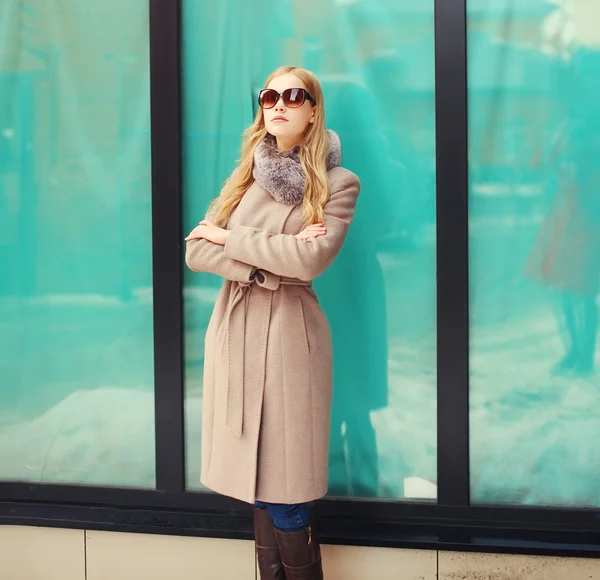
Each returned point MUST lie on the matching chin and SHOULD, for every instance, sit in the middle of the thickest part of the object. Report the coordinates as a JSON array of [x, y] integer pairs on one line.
[[280, 131], [277, 130]]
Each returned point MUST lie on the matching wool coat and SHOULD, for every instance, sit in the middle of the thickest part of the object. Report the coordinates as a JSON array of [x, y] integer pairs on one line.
[[267, 384]]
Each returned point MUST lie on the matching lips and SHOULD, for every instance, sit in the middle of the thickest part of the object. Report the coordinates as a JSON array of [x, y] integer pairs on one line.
[[279, 119]]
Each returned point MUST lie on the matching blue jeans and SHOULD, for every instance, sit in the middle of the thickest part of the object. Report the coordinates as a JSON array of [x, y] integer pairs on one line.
[[287, 517]]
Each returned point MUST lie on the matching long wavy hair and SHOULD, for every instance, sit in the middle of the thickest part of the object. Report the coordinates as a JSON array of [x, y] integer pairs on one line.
[[313, 157]]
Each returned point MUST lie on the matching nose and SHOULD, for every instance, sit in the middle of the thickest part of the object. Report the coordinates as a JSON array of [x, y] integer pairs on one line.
[[279, 105]]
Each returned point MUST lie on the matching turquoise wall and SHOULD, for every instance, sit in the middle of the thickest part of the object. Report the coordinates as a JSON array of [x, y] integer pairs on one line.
[[534, 112], [76, 336], [375, 61]]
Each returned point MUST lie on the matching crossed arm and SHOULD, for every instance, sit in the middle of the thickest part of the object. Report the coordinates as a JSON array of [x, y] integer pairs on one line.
[[238, 253]]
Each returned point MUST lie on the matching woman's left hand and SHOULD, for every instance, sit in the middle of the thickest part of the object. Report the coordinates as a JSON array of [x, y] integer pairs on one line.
[[209, 231]]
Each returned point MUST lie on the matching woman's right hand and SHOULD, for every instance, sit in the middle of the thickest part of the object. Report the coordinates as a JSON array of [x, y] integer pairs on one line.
[[312, 231]]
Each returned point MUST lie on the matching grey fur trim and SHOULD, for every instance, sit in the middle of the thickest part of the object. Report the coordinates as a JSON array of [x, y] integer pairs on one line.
[[281, 173]]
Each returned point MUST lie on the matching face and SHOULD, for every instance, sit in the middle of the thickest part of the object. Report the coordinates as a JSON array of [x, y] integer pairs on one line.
[[288, 124]]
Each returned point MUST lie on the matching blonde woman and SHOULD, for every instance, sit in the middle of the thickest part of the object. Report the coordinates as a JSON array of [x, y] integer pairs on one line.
[[278, 223]]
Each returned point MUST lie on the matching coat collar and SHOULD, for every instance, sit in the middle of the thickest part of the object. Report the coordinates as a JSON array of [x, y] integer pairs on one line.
[[281, 173]]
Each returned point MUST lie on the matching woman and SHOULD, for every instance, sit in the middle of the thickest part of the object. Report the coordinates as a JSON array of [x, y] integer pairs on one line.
[[278, 223], [566, 253]]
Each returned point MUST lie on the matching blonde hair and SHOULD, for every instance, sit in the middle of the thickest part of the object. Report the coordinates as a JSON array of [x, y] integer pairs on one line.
[[313, 157]]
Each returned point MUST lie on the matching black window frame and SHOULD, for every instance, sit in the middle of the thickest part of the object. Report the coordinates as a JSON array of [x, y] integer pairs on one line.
[[451, 523]]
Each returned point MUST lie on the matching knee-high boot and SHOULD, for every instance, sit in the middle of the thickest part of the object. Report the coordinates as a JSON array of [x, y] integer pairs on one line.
[[267, 549], [300, 553]]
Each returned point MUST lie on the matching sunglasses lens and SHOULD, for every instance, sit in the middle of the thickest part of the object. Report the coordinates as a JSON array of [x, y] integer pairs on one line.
[[293, 97], [268, 98]]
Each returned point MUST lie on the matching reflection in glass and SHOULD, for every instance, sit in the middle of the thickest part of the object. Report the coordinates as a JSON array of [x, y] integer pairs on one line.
[[76, 343], [535, 252], [375, 62]]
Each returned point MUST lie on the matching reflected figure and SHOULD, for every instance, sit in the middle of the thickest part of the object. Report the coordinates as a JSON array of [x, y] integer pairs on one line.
[[566, 255], [5, 154], [5, 168], [11, 219], [581, 321], [360, 352]]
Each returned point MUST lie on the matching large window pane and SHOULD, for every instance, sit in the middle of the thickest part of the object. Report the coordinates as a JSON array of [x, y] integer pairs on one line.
[[376, 61], [534, 96], [76, 354]]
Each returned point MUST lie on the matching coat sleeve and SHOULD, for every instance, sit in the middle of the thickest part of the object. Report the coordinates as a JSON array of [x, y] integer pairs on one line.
[[284, 254], [204, 256]]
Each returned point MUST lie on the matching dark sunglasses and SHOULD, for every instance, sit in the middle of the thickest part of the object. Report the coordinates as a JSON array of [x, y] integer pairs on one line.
[[268, 98]]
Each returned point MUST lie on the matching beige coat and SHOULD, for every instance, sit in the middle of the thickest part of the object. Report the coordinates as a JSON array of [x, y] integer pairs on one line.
[[268, 368]]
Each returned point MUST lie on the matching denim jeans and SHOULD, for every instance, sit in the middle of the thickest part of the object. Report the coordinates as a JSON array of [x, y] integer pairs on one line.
[[287, 517]]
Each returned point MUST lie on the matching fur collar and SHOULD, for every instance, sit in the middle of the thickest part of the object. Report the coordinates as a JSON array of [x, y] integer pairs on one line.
[[281, 173]]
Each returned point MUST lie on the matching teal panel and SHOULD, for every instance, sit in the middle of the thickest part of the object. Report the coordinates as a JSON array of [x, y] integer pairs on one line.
[[375, 60], [76, 337], [534, 113]]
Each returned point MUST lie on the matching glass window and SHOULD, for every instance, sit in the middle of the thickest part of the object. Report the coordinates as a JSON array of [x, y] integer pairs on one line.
[[534, 97], [76, 342], [375, 60]]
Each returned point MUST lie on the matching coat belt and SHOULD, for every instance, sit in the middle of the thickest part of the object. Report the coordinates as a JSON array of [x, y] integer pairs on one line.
[[235, 343]]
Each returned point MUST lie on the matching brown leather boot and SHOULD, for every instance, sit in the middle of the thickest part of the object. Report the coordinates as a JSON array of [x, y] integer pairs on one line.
[[267, 550], [301, 554]]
